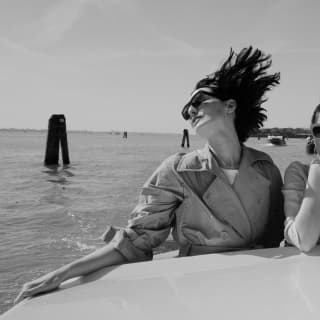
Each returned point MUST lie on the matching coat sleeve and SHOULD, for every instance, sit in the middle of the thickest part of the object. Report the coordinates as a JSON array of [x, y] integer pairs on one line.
[[274, 232], [151, 220]]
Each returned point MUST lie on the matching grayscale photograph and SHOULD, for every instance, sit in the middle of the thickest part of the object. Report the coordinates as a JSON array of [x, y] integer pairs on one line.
[[159, 159]]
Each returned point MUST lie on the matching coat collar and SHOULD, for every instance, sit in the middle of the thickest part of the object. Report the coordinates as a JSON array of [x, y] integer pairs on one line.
[[204, 160]]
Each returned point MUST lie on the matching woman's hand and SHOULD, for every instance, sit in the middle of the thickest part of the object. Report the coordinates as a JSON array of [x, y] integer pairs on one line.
[[103, 257], [45, 283]]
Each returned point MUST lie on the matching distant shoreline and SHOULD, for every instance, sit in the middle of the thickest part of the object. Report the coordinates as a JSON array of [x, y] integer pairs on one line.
[[263, 133], [112, 132]]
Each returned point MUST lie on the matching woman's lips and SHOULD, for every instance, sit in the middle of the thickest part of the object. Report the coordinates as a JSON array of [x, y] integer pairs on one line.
[[195, 120]]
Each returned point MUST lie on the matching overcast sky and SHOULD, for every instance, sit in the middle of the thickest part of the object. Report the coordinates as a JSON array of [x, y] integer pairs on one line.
[[131, 64]]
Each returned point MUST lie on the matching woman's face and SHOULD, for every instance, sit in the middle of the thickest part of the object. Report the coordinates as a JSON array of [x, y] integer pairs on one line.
[[315, 129], [207, 115]]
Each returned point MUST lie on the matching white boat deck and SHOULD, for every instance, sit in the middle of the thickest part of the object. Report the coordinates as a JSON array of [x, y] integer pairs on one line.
[[258, 284]]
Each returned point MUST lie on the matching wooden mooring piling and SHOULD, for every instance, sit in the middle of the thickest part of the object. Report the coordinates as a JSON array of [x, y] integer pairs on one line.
[[57, 135], [185, 138]]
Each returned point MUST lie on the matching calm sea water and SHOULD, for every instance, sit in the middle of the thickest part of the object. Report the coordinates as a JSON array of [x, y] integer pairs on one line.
[[51, 216]]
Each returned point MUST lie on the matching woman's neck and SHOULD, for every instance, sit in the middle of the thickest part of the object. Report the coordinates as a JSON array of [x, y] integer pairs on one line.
[[227, 150]]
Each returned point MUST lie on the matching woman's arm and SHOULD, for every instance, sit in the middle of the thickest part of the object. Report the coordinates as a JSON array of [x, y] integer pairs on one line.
[[302, 206], [101, 258], [149, 225]]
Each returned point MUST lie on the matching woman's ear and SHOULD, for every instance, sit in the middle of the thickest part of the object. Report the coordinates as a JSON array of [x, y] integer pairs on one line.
[[231, 105]]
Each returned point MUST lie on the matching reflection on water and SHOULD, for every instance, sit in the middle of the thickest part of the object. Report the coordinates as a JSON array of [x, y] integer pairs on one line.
[[59, 173]]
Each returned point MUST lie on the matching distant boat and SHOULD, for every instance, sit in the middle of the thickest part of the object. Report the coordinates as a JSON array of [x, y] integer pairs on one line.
[[277, 140]]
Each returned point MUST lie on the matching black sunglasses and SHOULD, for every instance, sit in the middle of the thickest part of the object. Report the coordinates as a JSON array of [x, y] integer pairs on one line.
[[316, 130], [195, 102]]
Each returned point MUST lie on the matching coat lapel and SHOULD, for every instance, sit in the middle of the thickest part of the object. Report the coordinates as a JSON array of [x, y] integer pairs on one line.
[[239, 205], [225, 204], [253, 191], [236, 205]]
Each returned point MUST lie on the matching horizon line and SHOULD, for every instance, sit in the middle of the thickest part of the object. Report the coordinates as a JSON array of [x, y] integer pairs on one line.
[[121, 131]]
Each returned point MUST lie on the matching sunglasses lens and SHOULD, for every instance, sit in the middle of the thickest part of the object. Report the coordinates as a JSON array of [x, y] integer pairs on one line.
[[185, 112], [198, 100], [195, 102], [316, 131]]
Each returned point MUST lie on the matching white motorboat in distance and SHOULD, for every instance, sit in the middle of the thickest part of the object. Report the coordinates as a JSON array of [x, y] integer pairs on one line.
[[277, 140]]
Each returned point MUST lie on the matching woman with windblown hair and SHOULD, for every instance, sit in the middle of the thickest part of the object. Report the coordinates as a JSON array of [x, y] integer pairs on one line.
[[221, 198]]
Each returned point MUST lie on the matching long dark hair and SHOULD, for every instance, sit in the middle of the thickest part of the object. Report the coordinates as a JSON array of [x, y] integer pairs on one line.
[[243, 77]]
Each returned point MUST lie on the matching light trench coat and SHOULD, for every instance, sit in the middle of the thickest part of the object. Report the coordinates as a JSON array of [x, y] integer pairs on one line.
[[190, 196]]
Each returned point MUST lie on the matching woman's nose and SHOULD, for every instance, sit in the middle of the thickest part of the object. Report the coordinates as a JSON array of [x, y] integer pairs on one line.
[[192, 111]]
